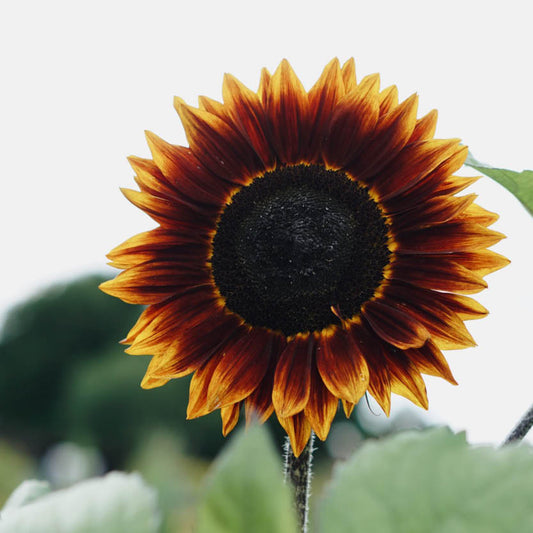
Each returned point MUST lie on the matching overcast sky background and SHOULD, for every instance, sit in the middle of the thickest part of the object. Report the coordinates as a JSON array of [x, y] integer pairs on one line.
[[83, 80]]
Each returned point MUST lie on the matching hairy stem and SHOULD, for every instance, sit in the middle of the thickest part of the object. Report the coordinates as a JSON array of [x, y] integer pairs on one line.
[[521, 429], [298, 472]]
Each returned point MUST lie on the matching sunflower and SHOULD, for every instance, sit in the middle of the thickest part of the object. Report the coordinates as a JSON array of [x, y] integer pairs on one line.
[[310, 248]]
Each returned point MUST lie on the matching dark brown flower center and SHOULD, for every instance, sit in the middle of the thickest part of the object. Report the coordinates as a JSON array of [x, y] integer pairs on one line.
[[297, 242]]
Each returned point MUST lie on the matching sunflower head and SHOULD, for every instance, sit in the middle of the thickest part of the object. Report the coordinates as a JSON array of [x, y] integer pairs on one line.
[[310, 248]]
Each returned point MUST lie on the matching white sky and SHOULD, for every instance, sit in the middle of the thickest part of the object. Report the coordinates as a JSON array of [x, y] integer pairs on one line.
[[82, 80]]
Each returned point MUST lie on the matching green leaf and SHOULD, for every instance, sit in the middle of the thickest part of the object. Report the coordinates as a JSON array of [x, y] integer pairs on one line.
[[245, 490], [418, 482], [518, 183], [115, 503]]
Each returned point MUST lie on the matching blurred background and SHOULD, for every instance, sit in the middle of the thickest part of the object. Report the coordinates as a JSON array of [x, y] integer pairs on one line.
[[81, 81]]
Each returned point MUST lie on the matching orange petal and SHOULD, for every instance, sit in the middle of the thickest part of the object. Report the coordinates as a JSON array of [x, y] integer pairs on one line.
[[445, 238], [243, 366], [348, 408], [185, 173], [321, 407], [435, 211], [248, 115], [405, 377], [482, 262], [264, 86], [341, 365], [220, 147], [157, 243], [445, 327], [394, 326], [478, 215], [293, 376], [172, 316], [413, 163], [288, 108], [194, 346], [323, 98], [352, 121], [425, 127], [388, 139], [388, 99], [230, 417], [259, 404], [169, 213], [298, 429], [429, 360], [198, 405], [466, 308], [379, 377], [438, 273], [155, 281], [348, 75]]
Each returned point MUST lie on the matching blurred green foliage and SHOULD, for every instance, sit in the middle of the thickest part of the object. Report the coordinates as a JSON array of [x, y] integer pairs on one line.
[[65, 377]]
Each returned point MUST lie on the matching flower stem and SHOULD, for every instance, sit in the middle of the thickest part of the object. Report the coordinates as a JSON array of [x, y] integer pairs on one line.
[[298, 471], [521, 429]]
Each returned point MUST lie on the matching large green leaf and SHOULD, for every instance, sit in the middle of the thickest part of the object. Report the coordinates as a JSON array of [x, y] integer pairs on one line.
[[431, 481], [245, 491], [518, 183], [115, 503]]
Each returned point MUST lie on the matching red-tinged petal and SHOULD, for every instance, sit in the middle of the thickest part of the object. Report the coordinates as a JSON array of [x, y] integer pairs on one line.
[[199, 344], [293, 376], [464, 307], [429, 360], [453, 185], [169, 213], [298, 429], [412, 164], [259, 404], [243, 366], [160, 243], [388, 139], [212, 106], [446, 238], [199, 386], [437, 183], [155, 281], [446, 328], [379, 376], [341, 365], [248, 115], [149, 381], [323, 98], [394, 326], [221, 148], [288, 113], [189, 308], [321, 407], [264, 86], [185, 174], [388, 99], [434, 211], [150, 178], [348, 408], [348, 75], [439, 273], [478, 215], [230, 417], [425, 127], [405, 377], [482, 262], [353, 120]]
